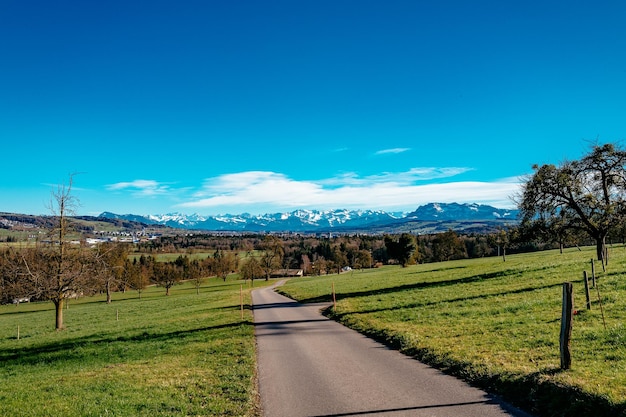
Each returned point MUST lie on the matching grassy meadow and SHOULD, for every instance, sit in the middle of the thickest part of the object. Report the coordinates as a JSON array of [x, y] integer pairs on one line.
[[497, 323], [186, 354]]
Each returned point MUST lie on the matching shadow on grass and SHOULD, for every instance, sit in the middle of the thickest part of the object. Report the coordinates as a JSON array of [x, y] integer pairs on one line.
[[430, 271], [450, 301], [17, 312], [79, 349], [424, 285]]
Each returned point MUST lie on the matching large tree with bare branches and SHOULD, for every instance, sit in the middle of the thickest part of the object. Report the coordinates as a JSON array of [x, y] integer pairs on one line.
[[58, 268], [587, 195], [273, 252], [111, 261]]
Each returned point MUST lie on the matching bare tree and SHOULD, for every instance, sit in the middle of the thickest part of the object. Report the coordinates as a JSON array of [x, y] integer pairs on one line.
[[586, 195], [251, 269], [223, 263], [273, 252], [111, 261], [10, 286], [197, 273], [58, 269], [140, 273], [166, 275]]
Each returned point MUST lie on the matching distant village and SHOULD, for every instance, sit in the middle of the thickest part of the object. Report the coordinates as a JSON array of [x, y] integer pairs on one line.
[[93, 237]]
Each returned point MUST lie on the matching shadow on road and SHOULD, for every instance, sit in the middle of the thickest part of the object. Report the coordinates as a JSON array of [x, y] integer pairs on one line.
[[395, 410]]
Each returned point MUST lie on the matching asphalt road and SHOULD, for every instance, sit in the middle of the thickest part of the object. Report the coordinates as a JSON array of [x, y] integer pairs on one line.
[[311, 366]]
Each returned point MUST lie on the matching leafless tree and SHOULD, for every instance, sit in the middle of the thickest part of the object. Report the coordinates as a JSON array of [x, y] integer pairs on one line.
[[111, 263], [272, 257], [223, 263], [57, 269], [586, 195]]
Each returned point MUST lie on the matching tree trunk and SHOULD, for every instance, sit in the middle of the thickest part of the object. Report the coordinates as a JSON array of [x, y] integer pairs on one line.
[[58, 306], [108, 292], [601, 247]]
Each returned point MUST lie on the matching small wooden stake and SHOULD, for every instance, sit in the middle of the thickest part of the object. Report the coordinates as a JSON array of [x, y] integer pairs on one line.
[[241, 300], [334, 299], [593, 274], [18, 332], [587, 290], [566, 325], [117, 315], [601, 309]]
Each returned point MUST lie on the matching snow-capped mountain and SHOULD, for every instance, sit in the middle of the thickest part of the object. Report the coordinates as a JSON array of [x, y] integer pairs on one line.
[[455, 211], [316, 220]]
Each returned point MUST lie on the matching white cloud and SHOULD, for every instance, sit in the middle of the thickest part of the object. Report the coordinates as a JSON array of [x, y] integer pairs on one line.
[[392, 150], [141, 188], [399, 178], [271, 191]]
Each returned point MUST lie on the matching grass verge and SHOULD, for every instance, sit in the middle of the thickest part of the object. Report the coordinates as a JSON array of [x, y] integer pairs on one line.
[[185, 354], [496, 324]]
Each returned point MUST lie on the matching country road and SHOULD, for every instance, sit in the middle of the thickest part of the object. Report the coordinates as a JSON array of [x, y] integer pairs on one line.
[[311, 366]]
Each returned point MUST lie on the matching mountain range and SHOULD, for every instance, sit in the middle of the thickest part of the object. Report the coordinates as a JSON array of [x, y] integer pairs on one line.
[[440, 216]]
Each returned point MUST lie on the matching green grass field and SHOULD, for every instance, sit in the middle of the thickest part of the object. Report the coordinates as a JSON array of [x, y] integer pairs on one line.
[[497, 324], [185, 354]]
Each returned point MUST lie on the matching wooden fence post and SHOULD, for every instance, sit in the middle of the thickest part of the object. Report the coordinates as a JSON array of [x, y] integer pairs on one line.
[[334, 299], [587, 290], [241, 300], [566, 325], [601, 308], [593, 273]]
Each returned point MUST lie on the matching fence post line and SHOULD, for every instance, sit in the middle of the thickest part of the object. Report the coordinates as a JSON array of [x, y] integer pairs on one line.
[[566, 325], [587, 290]]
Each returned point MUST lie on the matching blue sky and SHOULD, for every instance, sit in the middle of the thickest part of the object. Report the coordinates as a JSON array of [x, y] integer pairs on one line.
[[216, 107]]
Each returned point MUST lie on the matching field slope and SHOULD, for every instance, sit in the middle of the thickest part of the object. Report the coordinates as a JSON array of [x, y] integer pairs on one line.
[[497, 324]]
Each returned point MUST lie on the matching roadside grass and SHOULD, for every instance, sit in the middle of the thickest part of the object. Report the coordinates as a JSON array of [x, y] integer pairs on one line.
[[497, 324], [186, 354]]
